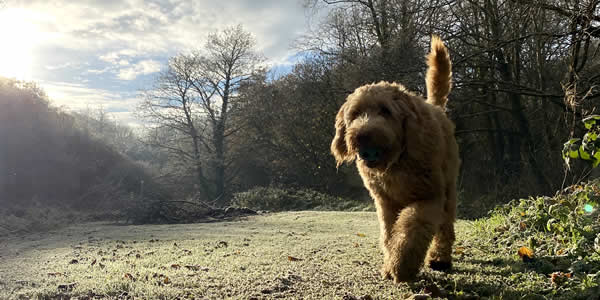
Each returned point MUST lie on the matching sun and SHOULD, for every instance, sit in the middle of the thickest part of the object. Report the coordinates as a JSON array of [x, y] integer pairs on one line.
[[18, 37]]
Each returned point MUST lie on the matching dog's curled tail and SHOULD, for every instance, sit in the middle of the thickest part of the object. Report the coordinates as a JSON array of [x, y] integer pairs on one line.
[[439, 73]]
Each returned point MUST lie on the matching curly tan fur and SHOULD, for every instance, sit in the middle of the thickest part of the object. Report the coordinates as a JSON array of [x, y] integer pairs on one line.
[[407, 156]]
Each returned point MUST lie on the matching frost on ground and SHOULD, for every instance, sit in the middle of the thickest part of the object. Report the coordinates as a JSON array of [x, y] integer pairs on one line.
[[309, 255]]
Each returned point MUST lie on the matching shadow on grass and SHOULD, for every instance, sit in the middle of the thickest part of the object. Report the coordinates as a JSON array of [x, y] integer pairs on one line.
[[505, 278]]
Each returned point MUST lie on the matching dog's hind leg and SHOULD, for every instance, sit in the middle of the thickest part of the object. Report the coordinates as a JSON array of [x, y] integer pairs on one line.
[[411, 236], [439, 256]]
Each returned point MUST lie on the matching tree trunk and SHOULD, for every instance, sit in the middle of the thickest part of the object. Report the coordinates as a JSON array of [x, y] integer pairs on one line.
[[219, 142]]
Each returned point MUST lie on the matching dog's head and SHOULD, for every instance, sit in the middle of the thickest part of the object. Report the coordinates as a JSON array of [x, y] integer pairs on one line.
[[371, 124]]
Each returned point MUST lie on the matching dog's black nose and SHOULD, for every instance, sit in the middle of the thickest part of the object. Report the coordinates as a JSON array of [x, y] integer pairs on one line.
[[370, 154], [363, 140]]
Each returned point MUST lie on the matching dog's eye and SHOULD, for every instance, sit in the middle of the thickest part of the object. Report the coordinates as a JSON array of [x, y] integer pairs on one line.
[[385, 111]]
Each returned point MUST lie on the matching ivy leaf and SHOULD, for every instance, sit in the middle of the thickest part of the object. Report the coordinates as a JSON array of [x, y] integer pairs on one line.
[[583, 153], [596, 157], [590, 121], [571, 148]]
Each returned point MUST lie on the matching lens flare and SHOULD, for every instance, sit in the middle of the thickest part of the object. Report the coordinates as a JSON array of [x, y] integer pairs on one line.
[[588, 208]]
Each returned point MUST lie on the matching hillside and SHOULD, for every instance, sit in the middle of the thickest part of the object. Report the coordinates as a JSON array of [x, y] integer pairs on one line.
[[51, 166]]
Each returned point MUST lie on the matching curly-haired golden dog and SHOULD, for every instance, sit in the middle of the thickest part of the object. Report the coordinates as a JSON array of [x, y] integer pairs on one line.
[[407, 156]]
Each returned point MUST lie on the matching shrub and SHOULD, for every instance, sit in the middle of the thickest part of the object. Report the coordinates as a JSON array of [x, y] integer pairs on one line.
[[280, 199], [566, 225], [16, 220]]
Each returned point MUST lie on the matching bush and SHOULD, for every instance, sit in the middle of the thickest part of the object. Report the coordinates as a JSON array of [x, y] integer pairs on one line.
[[565, 226], [570, 222], [279, 199], [16, 220]]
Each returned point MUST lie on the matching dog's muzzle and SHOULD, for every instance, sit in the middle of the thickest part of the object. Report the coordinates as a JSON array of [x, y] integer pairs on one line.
[[371, 155]]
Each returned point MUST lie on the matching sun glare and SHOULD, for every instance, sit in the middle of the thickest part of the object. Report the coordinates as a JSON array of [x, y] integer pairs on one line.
[[17, 39]]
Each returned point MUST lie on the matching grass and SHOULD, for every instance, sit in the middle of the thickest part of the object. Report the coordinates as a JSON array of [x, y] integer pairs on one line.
[[308, 255]]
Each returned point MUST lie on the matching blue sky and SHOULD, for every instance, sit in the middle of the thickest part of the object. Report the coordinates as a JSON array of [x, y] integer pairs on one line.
[[87, 54]]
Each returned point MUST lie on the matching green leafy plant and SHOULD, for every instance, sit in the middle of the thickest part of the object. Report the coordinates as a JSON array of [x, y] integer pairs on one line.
[[563, 231], [587, 148]]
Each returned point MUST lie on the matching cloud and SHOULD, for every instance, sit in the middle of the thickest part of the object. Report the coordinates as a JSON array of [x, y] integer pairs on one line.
[[127, 118], [110, 57], [163, 27], [99, 51], [79, 98], [99, 71], [144, 67], [58, 67], [115, 57]]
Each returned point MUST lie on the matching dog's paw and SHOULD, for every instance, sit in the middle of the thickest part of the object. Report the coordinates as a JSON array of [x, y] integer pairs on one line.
[[397, 274], [385, 274], [403, 277], [440, 265]]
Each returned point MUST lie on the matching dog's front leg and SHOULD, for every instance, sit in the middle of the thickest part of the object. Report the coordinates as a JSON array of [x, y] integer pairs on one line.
[[387, 215], [410, 238]]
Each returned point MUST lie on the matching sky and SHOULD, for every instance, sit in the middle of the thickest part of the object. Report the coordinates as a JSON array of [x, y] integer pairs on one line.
[[89, 54]]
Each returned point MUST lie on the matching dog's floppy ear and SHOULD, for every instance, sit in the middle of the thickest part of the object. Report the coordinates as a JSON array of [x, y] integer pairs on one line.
[[339, 149]]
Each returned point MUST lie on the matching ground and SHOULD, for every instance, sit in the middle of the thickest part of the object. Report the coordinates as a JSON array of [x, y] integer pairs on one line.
[[308, 255]]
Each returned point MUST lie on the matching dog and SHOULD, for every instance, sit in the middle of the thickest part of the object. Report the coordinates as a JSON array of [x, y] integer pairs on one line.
[[407, 157]]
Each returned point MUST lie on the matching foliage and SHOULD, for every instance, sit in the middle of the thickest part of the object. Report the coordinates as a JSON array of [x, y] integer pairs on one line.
[[568, 223], [293, 140], [587, 149], [563, 231], [279, 199]]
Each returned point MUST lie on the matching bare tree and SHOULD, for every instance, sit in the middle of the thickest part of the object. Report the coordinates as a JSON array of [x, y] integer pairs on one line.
[[372, 40], [228, 60], [195, 97]]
